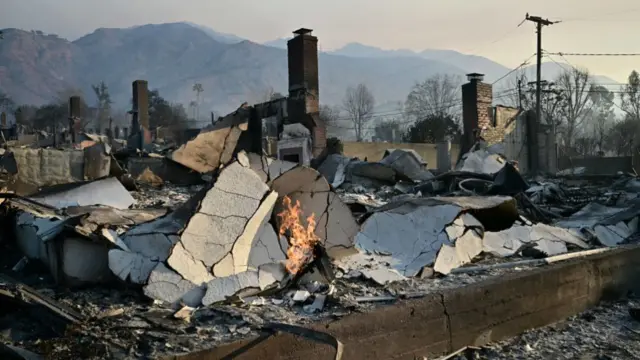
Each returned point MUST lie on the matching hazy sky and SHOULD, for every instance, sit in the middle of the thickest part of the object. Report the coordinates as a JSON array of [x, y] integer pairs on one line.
[[481, 27]]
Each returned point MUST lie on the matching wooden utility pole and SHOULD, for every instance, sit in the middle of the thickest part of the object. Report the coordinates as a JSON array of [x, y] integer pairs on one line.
[[540, 22]]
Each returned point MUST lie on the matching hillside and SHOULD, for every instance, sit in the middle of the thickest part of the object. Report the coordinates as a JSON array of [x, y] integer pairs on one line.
[[35, 68]]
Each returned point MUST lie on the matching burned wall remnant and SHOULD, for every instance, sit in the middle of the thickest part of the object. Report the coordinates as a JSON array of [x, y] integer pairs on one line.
[[75, 117], [140, 132], [303, 102]]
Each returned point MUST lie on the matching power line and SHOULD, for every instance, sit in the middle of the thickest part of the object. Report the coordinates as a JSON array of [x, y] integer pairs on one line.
[[591, 54], [458, 104], [524, 63]]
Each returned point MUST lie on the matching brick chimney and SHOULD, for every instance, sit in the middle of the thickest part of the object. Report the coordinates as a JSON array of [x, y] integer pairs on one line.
[[477, 99], [303, 103]]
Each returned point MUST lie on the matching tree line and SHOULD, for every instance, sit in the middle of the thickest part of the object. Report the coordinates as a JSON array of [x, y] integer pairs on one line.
[[98, 117], [588, 118]]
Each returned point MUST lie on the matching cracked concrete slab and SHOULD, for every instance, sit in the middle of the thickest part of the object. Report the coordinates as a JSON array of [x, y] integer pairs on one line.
[[221, 288], [129, 266], [335, 224], [166, 285], [224, 233], [215, 144], [413, 231], [412, 239]]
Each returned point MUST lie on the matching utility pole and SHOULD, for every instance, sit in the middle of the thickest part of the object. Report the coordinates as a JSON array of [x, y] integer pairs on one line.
[[540, 22]]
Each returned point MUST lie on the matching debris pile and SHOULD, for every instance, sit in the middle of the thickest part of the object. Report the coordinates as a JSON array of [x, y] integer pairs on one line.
[[210, 239]]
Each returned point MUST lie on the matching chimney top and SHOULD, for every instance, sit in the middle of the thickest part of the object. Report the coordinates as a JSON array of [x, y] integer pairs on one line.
[[303, 31], [475, 77]]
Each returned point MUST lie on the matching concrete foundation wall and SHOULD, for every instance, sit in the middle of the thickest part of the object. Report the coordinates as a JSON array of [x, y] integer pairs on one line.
[[375, 151], [596, 165], [476, 314]]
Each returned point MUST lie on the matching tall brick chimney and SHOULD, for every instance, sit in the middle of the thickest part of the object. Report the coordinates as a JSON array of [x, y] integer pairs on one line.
[[303, 103], [477, 99]]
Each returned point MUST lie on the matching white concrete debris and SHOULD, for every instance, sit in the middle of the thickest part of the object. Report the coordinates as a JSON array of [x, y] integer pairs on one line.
[[107, 192], [228, 235], [596, 219], [78, 259], [441, 232], [550, 240], [222, 243], [408, 164], [465, 248], [215, 144], [481, 162]]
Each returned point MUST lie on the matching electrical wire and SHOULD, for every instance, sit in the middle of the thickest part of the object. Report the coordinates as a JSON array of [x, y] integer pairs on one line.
[[591, 54], [524, 63]]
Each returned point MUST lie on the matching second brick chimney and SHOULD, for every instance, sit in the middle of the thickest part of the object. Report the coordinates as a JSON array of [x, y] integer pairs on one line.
[[303, 103], [477, 99]]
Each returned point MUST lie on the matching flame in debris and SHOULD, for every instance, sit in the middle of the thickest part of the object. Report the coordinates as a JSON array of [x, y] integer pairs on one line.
[[301, 239]]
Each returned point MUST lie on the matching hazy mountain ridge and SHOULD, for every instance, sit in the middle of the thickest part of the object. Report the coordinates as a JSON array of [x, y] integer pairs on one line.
[[35, 68]]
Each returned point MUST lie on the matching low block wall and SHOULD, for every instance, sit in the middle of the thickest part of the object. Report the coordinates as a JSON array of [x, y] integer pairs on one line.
[[472, 315], [374, 151]]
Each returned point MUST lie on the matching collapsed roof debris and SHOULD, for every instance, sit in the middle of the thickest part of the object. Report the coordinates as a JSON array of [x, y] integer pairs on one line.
[[217, 243]]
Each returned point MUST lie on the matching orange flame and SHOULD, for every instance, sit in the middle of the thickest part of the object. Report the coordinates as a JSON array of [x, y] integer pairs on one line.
[[301, 239]]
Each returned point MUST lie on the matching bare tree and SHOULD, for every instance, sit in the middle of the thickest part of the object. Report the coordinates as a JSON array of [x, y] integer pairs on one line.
[[438, 95], [359, 103], [575, 85]]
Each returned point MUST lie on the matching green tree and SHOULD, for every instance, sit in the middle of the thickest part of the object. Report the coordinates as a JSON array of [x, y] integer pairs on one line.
[[432, 129]]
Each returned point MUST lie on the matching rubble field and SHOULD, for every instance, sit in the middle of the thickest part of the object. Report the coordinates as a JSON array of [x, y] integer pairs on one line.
[[113, 252]]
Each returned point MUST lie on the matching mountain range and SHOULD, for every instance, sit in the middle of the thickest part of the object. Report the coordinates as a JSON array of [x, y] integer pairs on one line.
[[35, 68]]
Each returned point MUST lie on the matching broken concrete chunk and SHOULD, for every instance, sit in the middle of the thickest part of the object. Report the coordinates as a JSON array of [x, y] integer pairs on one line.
[[130, 266], [481, 162], [269, 274], [166, 285], [107, 192], [300, 296], [408, 165], [215, 144], [467, 247], [383, 276], [407, 236], [190, 269], [113, 237], [221, 288], [509, 242], [155, 246], [609, 235]]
